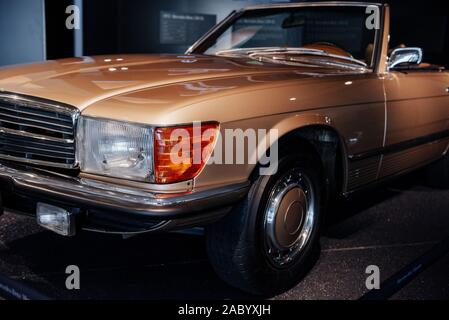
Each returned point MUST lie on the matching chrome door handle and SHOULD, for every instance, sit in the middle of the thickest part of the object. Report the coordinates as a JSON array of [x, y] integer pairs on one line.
[[447, 90]]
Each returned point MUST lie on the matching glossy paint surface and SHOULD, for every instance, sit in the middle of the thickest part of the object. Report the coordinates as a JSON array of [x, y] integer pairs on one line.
[[369, 110]]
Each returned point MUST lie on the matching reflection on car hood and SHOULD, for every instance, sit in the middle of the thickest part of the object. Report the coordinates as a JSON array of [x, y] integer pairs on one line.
[[84, 81]]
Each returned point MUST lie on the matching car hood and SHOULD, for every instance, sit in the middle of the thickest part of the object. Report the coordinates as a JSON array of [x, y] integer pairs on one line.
[[82, 82]]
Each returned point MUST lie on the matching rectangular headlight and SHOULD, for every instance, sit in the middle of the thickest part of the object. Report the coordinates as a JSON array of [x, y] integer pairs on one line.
[[115, 149]]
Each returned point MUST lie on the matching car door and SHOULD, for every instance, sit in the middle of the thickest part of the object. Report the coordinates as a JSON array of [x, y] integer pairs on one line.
[[417, 119]]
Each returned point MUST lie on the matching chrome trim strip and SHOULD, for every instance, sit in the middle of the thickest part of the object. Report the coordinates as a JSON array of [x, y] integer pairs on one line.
[[37, 127], [37, 121], [160, 227], [24, 134], [41, 151], [10, 140], [377, 183], [105, 196], [38, 162], [447, 150], [35, 102], [179, 187], [432, 138], [32, 114]]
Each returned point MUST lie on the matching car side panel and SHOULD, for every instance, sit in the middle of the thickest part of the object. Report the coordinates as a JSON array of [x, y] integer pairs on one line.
[[352, 105], [418, 110]]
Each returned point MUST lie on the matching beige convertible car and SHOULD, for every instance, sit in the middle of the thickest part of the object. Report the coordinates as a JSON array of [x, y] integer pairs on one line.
[[328, 106]]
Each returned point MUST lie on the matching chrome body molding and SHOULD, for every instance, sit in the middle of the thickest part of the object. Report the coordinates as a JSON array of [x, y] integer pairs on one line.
[[40, 103], [87, 194], [180, 187], [38, 137]]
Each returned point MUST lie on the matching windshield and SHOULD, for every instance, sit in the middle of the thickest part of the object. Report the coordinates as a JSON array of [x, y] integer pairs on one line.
[[334, 31]]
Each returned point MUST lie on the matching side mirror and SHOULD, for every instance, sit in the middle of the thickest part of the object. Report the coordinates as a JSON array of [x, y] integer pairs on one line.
[[410, 56]]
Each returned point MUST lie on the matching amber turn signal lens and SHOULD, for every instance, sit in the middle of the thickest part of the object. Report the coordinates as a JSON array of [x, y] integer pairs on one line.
[[180, 153]]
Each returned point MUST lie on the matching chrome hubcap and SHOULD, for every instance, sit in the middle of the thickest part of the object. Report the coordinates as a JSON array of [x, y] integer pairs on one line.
[[289, 218]]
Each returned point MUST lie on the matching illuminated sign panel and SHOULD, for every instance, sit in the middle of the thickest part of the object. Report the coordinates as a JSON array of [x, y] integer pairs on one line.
[[184, 28]]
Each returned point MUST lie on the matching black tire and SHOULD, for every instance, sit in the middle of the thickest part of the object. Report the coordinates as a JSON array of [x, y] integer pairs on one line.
[[437, 174], [236, 245]]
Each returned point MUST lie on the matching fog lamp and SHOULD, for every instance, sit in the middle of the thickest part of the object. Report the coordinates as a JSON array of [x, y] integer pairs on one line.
[[56, 219]]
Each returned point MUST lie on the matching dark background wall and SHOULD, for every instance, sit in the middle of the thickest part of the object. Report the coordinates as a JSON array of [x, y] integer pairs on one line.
[[60, 40], [133, 26], [22, 31], [422, 24]]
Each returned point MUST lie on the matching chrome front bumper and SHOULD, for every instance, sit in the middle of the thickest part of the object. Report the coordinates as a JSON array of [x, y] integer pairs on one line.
[[112, 208]]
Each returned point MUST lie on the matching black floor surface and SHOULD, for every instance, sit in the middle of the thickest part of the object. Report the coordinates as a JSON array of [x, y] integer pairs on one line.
[[387, 227]]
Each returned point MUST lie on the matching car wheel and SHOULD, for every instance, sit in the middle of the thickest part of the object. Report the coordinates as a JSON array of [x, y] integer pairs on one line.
[[437, 174], [270, 240]]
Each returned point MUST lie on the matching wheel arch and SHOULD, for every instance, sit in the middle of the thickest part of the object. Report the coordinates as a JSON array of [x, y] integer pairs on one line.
[[316, 134]]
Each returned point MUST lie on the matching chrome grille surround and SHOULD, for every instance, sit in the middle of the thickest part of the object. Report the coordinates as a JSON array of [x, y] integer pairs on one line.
[[37, 131]]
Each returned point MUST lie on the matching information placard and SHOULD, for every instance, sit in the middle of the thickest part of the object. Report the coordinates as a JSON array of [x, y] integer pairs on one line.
[[184, 28]]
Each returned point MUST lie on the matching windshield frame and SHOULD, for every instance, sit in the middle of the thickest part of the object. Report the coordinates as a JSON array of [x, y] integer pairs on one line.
[[208, 40]]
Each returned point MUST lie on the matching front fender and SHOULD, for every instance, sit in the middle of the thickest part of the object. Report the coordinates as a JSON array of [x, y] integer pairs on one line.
[[269, 131]]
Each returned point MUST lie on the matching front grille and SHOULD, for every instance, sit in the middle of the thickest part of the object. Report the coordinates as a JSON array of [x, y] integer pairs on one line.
[[37, 132]]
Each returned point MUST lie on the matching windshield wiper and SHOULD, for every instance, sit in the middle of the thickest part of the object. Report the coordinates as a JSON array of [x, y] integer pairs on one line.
[[310, 62], [310, 52], [256, 52], [245, 51]]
